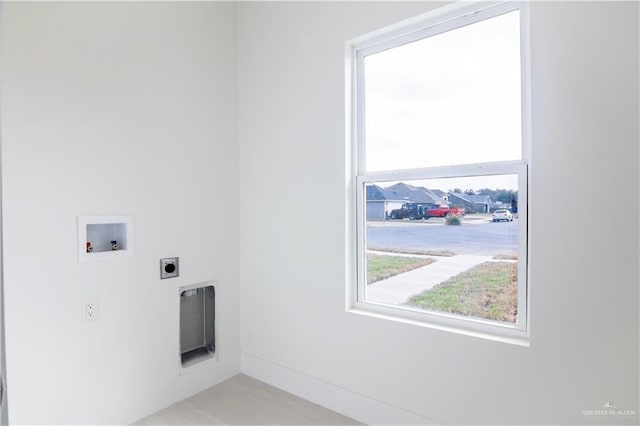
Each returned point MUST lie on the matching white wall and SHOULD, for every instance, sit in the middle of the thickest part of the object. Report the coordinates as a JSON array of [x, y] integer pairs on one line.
[[115, 109], [584, 266], [107, 108]]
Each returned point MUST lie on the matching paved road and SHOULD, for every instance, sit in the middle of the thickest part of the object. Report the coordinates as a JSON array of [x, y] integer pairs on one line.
[[484, 238]]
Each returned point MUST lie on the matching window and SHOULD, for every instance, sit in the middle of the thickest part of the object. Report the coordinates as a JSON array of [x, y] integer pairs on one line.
[[440, 171]]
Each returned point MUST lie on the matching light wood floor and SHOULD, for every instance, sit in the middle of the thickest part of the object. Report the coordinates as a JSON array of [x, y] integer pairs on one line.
[[242, 400]]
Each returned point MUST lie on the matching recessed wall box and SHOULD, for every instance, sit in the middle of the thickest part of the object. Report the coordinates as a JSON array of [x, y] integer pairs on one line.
[[96, 235], [197, 323]]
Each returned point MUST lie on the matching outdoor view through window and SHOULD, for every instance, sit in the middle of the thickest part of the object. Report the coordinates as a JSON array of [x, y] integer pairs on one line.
[[446, 245], [443, 180]]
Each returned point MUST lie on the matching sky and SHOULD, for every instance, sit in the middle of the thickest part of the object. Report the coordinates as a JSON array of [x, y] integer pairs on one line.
[[450, 99]]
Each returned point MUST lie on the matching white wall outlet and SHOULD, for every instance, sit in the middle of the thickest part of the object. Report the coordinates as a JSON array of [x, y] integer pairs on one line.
[[90, 309]]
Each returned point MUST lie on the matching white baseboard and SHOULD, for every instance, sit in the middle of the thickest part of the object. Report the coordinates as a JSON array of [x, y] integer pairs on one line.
[[340, 400]]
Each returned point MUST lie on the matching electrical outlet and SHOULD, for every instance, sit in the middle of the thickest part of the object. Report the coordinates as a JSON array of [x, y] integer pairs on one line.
[[169, 267], [90, 309]]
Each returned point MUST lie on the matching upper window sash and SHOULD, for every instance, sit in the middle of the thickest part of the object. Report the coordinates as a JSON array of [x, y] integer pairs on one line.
[[427, 26], [444, 19]]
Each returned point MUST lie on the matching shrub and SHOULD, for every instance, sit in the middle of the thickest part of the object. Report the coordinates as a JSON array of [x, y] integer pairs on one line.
[[453, 219]]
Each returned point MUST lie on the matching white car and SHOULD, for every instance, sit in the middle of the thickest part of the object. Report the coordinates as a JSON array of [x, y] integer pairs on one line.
[[502, 214]]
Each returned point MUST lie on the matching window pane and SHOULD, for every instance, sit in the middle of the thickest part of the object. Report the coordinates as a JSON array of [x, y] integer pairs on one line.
[[453, 98], [448, 245]]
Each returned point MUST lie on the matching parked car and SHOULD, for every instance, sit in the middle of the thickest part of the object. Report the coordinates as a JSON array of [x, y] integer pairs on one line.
[[411, 211], [443, 211], [502, 214], [416, 211]]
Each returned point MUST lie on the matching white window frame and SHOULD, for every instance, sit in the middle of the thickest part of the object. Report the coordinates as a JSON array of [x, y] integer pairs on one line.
[[443, 19]]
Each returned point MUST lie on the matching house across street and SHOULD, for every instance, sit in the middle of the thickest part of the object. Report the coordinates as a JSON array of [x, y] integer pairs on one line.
[[384, 203]]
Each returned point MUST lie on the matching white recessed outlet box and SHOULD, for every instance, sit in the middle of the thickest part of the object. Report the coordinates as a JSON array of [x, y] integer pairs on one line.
[[104, 237]]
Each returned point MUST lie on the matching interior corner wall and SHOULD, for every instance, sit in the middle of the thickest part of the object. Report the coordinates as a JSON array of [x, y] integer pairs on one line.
[[583, 224], [124, 108]]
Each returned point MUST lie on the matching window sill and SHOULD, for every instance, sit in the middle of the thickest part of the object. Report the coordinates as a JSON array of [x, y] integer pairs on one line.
[[479, 329]]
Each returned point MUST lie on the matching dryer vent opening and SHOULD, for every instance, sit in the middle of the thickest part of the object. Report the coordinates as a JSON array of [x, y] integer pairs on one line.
[[197, 324]]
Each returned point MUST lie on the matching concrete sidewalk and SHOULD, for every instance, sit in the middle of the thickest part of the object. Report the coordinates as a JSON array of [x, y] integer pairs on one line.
[[398, 289]]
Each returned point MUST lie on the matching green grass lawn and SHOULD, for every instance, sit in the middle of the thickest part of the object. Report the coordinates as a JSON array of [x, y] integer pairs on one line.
[[380, 267], [488, 291]]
